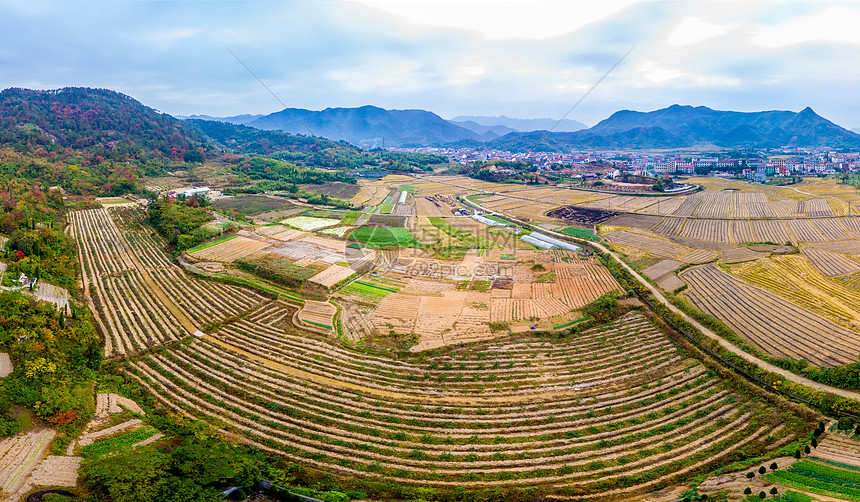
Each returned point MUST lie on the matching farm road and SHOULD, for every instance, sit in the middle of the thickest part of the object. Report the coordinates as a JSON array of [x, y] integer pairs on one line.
[[707, 332]]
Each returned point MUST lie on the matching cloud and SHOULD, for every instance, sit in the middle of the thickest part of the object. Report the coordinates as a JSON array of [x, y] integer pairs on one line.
[[836, 25], [518, 58], [512, 19], [693, 30]]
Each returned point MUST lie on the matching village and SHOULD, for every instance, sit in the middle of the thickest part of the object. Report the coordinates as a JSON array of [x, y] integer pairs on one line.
[[757, 165]]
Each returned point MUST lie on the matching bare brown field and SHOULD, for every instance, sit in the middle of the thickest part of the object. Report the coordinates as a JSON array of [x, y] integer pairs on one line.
[[664, 206], [636, 220], [6, 367], [738, 255], [663, 273], [804, 231], [851, 247], [817, 208], [654, 246], [317, 314], [699, 256], [670, 227], [742, 232], [427, 208], [830, 263], [231, 250], [429, 307], [332, 275], [708, 230], [770, 231], [831, 228]]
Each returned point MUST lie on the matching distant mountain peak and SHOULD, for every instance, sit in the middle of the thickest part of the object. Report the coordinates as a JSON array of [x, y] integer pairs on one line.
[[686, 125], [368, 126]]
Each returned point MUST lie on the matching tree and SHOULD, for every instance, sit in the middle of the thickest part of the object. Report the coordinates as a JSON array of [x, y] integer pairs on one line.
[[750, 475], [773, 466], [807, 450], [603, 309], [133, 477], [215, 462], [774, 491], [747, 491], [762, 470], [762, 495], [175, 489], [797, 454]]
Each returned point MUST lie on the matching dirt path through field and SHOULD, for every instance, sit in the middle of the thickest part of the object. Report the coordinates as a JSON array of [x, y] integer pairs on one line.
[[707, 332]]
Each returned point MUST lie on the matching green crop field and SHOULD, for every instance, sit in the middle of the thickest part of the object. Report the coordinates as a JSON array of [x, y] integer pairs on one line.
[[468, 238], [499, 219], [384, 237], [819, 478], [367, 290], [118, 443], [350, 217], [582, 233]]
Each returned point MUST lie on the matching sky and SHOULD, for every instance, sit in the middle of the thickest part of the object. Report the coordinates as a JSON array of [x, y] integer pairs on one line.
[[525, 59]]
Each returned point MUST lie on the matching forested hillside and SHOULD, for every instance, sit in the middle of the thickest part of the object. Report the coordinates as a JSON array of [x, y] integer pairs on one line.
[[107, 123]]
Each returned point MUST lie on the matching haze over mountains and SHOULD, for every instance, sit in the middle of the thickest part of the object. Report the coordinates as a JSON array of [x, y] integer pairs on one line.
[[371, 126], [523, 125]]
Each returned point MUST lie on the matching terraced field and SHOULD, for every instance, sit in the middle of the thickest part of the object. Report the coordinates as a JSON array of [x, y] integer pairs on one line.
[[611, 410], [618, 406], [142, 298], [795, 332], [795, 278]]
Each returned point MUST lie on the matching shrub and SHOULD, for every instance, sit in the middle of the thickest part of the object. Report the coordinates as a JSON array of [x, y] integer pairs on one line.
[[774, 491], [806, 449], [747, 491], [814, 443], [603, 309], [797, 454], [750, 475], [773, 466], [762, 470], [238, 494], [762, 495]]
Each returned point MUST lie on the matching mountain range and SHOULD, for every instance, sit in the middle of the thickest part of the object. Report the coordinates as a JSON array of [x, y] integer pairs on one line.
[[107, 121], [685, 126], [677, 126], [371, 126], [367, 126]]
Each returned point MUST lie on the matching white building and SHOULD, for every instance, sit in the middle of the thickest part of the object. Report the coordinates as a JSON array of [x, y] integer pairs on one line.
[[204, 191]]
